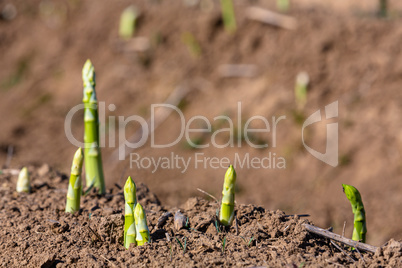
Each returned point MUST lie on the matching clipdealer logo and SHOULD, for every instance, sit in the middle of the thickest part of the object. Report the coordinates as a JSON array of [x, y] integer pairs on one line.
[[330, 156], [237, 137]]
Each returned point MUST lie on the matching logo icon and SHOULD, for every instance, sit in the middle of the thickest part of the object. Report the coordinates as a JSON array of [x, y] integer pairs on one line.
[[330, 156]]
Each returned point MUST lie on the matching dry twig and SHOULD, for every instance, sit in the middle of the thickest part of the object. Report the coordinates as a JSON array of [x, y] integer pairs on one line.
[[338, 238], [270, 17], [210, 195], [343, 230], [361, 256], [344, 252], [109, 261]]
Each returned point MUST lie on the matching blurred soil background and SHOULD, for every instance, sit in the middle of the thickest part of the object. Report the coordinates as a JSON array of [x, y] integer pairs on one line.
[[351, 55]]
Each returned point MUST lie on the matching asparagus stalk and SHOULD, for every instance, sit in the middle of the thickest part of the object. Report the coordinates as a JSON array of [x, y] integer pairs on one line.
[[141, 225], [282, 5], [130, 198], [359, 229], [228, 15], [75, 184], [92, 153], [23, 183], [127, 22], [228, 197], [383, 8], [302, 81]]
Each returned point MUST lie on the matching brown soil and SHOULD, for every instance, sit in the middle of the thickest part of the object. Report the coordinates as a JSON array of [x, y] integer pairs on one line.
[[351, 56], [36, 232]]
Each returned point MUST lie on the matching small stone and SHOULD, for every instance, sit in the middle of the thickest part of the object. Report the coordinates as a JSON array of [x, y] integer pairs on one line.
[[48, 261], [43, 170], [179, 220], [40, 229]]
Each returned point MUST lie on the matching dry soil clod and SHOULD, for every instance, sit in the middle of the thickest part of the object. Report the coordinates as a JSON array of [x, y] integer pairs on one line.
[[179, 221], [162, 220]]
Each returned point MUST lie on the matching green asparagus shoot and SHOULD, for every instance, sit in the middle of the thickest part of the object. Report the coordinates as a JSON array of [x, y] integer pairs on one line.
[[141, 225], [302, 81], [383, 8], [282, 5], [359, 230], [75, 184], [193, 46], [130, 199], [23, 183], [228, 197], [127, 22], [92, 153], [228, 15]]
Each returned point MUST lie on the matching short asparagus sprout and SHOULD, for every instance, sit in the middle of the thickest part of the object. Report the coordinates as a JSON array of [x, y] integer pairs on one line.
[[92, 153], [141, 225], [192, 44], [282, 5], [130, 198], [23, 183], [383, 8], [228, 198], [75, 184], [302, 81], [228, 15], [359, 229], [127, 22]]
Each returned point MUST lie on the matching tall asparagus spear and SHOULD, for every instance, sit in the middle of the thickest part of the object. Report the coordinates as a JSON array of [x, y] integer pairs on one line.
[[92, 153], [130, 198], [75, 184], [228, 197], [23, 183], [359, 230], [141, 225]]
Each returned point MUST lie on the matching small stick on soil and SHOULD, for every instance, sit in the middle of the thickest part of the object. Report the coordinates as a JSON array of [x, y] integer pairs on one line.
[[109, 261], [53, 221], [338, 238], [236, 224], [135, 45], [170, 245], [298, 215], [208, 194], [110, 235], [343, 230], [344, 252], [361, 256], [270, 17], [13, 172], [237, 70], [100, 239]]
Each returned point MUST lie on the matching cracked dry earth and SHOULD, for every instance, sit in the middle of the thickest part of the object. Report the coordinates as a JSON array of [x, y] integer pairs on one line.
[[36, 232]]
